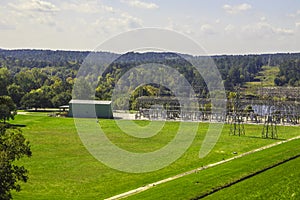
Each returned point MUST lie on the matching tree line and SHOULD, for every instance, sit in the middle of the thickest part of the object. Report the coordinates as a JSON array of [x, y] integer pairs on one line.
[[289, 73], [45, 78]]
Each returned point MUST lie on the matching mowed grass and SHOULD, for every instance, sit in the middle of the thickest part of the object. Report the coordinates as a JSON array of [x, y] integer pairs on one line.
[[281, 182], [61, 167]]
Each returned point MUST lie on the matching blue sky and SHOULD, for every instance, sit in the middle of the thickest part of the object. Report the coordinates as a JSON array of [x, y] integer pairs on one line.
[[220, 26]]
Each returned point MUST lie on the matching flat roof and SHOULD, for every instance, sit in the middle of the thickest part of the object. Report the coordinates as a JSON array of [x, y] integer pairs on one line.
[[78, 101]]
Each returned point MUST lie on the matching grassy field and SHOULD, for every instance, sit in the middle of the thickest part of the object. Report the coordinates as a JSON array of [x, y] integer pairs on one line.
[[61, 167], [267, 185], [265, 78], [281, 182]]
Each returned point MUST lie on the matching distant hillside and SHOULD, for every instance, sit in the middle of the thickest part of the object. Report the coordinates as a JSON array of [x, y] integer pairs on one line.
[[29, 74], [51, 57], [43, 58]]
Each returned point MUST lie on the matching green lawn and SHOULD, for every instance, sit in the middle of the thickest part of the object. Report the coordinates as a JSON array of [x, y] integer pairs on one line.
[[267, 185], [281, 182], [61, 167]]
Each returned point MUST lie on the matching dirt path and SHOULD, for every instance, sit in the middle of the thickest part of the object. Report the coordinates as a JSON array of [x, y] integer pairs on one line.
[[141, 189]]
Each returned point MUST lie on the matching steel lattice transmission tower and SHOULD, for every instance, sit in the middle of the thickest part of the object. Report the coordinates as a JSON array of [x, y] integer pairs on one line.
[[270, 121], [237, 122]]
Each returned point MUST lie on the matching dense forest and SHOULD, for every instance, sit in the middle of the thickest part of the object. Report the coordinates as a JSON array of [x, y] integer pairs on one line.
[[45, 78]]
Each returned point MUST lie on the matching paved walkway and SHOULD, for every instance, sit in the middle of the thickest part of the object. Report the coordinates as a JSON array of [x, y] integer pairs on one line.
[[141, 189]]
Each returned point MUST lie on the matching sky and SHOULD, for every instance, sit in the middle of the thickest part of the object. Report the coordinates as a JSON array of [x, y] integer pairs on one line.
[[219, 26]]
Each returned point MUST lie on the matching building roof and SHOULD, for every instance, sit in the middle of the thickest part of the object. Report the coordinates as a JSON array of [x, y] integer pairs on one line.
[[64, 106], [94, 102]]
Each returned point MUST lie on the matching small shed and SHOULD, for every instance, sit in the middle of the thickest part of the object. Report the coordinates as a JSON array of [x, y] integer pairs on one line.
[[63, 108], [90, 109]]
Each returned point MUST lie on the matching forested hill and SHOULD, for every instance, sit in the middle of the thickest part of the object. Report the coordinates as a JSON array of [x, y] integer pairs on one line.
[[44, 78], [42, 58], [269, 59]]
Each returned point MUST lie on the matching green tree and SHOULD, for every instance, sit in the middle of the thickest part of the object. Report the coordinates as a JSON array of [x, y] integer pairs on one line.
[[82, 89], [16, 93], [5, 79], [289, 73], [36, 99], [61, 99], [13, 146], [145, 90], [234, 76], [39, 77], [7, 108], [26, 80]]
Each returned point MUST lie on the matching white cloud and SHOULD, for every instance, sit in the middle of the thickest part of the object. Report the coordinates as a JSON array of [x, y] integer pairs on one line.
[[88, 7], [182, 28], [263, 18], [32, 12], [229, 28], [46, 20], [237, 8], [130, 21], [207, 29], [140, 4], [94, 19], [294, 14], [297, 24], [34, 5], [5, 25], [113, 25], [264, 29], [284, 31]]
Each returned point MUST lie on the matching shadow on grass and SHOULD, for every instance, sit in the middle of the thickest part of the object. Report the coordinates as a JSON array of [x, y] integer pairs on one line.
[[17, 125], [8, 125], [257, 137], [4, 126]]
